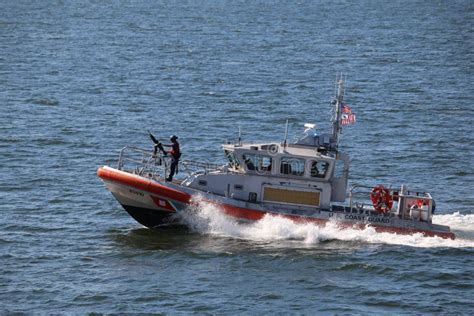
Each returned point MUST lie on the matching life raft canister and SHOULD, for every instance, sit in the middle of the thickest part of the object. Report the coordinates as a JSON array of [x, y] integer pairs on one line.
[[381, 199]]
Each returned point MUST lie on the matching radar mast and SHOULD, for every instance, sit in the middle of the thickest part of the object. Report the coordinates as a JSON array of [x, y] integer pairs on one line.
[[337, 112]]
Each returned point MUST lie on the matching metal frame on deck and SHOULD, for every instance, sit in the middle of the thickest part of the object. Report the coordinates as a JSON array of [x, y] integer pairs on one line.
[[144, 163], [403, 199]]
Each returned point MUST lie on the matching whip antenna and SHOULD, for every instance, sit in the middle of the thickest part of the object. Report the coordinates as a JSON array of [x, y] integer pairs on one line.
[[239, 138]]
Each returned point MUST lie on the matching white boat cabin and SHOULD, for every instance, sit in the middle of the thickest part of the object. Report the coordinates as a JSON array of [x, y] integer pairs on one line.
[[283, 174]]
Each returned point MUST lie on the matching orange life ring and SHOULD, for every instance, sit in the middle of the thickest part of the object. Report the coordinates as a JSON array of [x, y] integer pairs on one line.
[[381, 199]]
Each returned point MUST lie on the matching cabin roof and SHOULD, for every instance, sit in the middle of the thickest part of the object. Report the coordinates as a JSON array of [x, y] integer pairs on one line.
[[279, 148]]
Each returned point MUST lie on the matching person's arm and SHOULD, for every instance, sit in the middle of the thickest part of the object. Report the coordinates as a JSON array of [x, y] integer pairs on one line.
[[160, 147]]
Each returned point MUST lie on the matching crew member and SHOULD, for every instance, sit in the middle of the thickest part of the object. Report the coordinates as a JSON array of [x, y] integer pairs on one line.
[[175, 155]]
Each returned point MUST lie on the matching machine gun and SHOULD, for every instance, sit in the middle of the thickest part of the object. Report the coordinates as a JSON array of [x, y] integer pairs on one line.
[[157, 145]]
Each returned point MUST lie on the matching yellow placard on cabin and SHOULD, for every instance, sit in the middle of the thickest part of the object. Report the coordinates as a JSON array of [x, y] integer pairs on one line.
[[291, 196]]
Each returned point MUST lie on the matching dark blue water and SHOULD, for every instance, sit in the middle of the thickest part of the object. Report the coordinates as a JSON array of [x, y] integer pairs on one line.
[[80, 80]]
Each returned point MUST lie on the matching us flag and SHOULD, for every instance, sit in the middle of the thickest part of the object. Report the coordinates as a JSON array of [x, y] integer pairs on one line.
[[347, 116]]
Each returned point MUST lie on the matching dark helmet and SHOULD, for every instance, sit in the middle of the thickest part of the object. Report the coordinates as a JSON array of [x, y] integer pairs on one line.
[[173, 137]]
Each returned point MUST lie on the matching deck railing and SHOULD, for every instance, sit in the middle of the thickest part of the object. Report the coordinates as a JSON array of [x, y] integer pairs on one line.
[[359, 196], [145, 163], [403, 201]]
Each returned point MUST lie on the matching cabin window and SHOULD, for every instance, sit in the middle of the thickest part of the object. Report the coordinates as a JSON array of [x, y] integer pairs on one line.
[[318, 169], [259, 163], [202, 182], [292, 166], [233, 161]]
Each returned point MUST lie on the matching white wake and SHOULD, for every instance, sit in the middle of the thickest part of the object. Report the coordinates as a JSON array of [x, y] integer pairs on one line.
[[206, 218]]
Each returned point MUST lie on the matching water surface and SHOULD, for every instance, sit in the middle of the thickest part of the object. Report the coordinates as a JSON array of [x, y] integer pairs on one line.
[[80, 80]]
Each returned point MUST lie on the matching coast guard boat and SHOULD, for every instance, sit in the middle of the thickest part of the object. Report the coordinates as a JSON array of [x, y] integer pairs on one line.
[[305, 181]]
